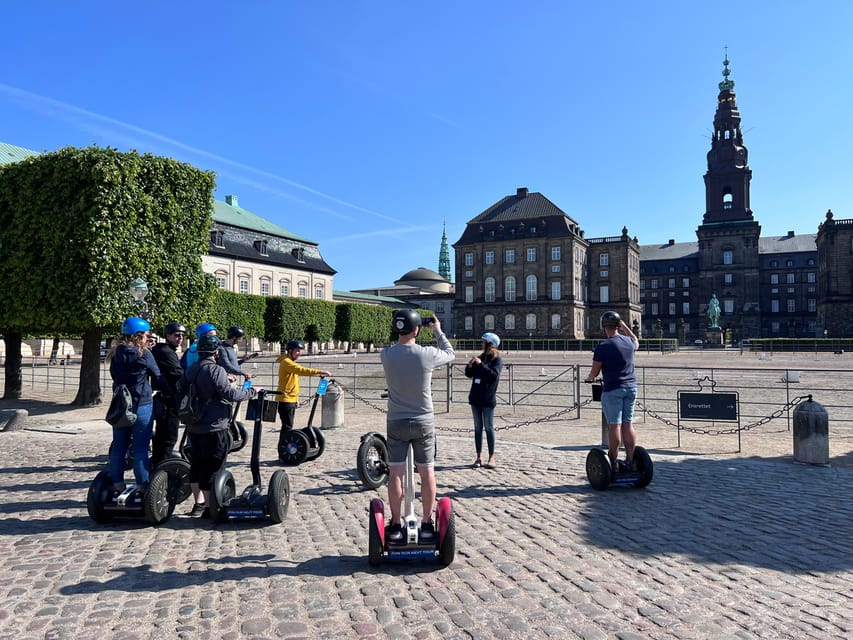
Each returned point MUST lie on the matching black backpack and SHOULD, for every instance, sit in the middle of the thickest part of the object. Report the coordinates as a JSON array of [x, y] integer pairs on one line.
[[190, 407]]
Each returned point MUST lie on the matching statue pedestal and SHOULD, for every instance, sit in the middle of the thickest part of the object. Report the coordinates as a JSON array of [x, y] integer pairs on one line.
[[714, 338]]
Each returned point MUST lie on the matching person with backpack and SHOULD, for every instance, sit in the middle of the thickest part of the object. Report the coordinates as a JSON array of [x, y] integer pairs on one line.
[[131, 365], [228, 353], [204, 400]]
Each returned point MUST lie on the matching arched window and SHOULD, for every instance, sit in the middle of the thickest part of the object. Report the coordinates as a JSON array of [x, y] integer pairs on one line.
[[530, 321], [530, 291], [555, 320], [509, 322], [509, 289], [489, 322]]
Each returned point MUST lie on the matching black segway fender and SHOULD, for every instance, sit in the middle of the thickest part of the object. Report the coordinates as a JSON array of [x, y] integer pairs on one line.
[[221, 494], [372, 460], [98, 496], [598, 469], [645, 467], [239, 436], [320, 440]]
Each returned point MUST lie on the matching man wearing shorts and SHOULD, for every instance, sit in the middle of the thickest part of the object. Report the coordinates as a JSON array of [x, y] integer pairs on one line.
[[408, 374], [614, 359]]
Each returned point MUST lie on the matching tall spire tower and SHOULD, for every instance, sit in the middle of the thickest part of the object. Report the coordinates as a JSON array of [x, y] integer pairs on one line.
[[728, 236], [444, 257]]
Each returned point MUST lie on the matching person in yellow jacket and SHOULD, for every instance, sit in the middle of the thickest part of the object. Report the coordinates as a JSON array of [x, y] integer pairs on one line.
[[288, 383]]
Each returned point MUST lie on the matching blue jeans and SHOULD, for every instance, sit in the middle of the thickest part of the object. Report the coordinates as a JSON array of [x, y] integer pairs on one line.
[[140, 436], [484, 418]]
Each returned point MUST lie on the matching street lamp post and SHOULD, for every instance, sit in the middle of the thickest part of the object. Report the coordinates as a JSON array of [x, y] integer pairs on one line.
[[138, 290]]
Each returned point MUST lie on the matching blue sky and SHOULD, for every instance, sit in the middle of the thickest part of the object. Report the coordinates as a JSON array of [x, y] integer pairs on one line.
[[364, 126]]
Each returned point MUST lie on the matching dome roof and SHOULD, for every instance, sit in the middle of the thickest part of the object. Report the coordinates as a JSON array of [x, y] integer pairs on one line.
[[423, 278]]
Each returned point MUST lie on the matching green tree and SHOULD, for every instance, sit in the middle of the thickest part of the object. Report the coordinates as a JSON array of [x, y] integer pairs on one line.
[[77, 225]]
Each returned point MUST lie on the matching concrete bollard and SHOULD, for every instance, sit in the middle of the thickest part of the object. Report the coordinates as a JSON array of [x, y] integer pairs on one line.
[[333, 407], [811, 433], [16, 422]]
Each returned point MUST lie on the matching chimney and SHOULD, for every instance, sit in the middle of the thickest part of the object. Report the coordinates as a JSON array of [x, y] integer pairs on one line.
[[231, 200], [790, 234], [521, 192], [671, 242]]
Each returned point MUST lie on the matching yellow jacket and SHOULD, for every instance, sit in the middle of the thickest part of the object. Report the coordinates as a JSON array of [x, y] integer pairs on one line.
[[288, 377]]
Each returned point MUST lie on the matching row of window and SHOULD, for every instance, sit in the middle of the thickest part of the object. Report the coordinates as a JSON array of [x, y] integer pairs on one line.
[[530, 323], [530, 291], [244, 286], [217, 238], [728, 279], [509, 256], [728, 307]]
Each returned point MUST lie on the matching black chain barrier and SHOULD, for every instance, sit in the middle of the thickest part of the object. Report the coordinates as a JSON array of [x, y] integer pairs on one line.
[[722, 432], [470, 429]]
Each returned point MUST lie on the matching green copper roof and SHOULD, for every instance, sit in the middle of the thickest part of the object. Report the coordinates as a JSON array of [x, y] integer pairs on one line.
[[229, 212], [9, 153]]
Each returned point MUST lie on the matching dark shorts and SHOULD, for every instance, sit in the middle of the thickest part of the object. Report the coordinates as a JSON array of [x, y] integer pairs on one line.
[[420, 434], [209, 453]]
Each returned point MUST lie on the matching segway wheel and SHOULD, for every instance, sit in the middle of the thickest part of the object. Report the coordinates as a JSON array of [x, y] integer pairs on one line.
[[644, 465], [223, 491], [179, 477], [293, 448], [375, 528], [446, 531], [239, 436], [372, 461], [278, 499], [158, 503], [598, 470], [99, 494]]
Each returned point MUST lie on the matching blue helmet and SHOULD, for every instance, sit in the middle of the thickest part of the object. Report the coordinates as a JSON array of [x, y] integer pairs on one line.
[[134, 325], [491, 337], [201, 329]]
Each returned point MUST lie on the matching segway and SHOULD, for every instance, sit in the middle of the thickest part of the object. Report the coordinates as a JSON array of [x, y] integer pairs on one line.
[[372, 460], [442, 547], [300, 445], [252, 504], [156, 503]]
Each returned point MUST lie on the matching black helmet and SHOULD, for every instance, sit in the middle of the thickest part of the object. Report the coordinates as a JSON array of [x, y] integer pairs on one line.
[[207, 343], [236, 332], [405, 321], [174, 327], [294, 344], [610, 319]]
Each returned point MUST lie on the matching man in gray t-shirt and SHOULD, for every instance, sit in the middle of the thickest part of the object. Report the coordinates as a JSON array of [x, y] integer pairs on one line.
[[408, 373]]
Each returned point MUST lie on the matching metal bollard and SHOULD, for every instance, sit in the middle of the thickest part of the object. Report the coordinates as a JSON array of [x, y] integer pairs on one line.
[[333, 407], [811, 433]]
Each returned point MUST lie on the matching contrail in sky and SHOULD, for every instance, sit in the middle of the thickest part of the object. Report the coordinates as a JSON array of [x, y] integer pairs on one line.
[[63, 108]]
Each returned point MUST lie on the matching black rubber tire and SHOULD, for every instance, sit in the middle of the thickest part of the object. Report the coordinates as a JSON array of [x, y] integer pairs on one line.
[[644, 465], [98, 495], [374, 541], [222, 493], [158, 503], [447, 547], [293, 448], [239, 436], [278, 498], [598, 469], [179, 477], [372, 461]]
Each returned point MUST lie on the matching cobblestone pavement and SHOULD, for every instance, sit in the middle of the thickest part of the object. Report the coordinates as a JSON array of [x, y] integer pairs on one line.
[[720, 545]]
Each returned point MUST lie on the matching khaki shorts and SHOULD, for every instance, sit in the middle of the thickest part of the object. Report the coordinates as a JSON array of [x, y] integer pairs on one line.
[[419, 433]]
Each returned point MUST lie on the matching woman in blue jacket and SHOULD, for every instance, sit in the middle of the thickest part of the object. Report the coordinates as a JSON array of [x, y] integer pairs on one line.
[[485, 372], [132, 364]]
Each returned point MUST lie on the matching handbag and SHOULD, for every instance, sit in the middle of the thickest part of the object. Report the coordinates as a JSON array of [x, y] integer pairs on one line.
[[120, 413]]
